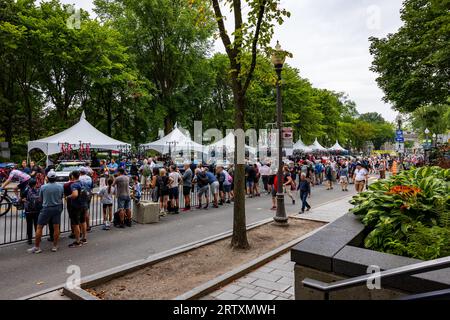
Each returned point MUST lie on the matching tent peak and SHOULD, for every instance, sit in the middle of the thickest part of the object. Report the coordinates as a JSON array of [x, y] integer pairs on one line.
[[83, 116]]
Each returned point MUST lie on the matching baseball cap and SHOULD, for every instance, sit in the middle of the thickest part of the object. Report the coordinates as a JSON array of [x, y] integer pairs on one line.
[[51, 174], [83, 170]]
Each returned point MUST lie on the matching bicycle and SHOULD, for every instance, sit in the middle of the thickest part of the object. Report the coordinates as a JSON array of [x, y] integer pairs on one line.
[[6, 202]]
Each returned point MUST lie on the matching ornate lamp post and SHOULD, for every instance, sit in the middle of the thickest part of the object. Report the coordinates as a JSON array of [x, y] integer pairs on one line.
[[427, 132], [399, 127], [278, 59], [170, 143]]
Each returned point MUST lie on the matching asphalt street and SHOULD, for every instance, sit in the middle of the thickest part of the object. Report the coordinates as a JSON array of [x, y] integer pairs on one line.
[[23, 274]]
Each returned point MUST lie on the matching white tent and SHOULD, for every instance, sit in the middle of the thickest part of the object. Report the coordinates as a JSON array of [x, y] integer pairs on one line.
[[82, 131], [174, 141], [316, 146], [337, 147], [300, 146], [227, 143]]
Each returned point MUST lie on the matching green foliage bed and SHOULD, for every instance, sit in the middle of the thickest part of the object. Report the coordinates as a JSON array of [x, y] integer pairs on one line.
[[408, 214]]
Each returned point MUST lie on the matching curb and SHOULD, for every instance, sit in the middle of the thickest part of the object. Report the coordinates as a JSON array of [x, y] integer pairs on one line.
[[78, 294], [41, 293], [241, 271]]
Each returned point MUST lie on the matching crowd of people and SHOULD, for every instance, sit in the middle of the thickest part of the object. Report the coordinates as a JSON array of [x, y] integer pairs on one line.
[[211, 185]]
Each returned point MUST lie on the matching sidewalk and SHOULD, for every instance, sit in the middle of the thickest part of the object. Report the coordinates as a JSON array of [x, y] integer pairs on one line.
[[328, 212], [275, 280]]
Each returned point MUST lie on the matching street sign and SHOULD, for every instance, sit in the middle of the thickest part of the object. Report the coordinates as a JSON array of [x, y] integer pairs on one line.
[[288, 138], [400, 147], [400, 139], [399, 133], [427, 146]]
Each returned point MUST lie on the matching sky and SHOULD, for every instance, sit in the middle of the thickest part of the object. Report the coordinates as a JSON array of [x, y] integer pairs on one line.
[[330, 46]]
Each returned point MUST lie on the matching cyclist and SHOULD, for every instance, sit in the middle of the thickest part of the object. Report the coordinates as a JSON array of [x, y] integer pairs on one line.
[[22, 177]]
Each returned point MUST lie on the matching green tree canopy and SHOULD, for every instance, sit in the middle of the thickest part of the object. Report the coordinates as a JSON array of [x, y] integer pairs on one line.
[[414, 63]]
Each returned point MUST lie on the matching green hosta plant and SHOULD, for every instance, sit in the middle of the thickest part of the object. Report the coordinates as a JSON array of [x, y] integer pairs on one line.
[[408, 214]]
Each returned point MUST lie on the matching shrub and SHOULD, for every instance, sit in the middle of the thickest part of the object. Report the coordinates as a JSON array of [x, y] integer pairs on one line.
[[408, 214]]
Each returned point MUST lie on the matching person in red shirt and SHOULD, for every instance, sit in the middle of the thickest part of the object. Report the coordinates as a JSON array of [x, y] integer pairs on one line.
[[274, 193]]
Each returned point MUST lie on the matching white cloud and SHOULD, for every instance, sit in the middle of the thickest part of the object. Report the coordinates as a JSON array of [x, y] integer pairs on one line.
[[329, 41]]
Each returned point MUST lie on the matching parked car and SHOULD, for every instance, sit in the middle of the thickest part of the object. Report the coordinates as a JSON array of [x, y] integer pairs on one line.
[[64, 168]]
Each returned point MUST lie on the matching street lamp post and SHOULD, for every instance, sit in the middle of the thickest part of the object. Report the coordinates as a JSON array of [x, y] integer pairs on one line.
[[434, 140], [427, 132], [278, 58], [170, 144], [399, 127]]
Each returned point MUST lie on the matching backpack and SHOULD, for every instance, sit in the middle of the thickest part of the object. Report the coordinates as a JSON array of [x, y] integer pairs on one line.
[[203, 179], [83, 197], [328, 170], [116, 219], [318, 168], [162, 183], [137, 192], [146, 171], [228, 177], [33, 203]]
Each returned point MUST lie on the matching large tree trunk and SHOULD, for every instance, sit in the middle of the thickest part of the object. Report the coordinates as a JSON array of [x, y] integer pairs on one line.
[[239, 239], [109, 119], [168, 124], [29, 112]]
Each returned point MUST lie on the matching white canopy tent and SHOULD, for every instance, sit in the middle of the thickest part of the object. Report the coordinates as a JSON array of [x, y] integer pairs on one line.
[[300, 146], [227, 143], [82, 132], [337, 147], [317, 147], [174, 141]]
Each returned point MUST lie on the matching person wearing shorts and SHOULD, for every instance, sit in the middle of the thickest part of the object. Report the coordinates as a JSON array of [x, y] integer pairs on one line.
[[86, 182], [343, 177], [222, 179], [251, 176], [122, 187], [163, 191], [51, 195], [360, 177], [212, 180], [187, 185], [174, 192], [274, 192], [106, 195], [77, 212], [203, 187]]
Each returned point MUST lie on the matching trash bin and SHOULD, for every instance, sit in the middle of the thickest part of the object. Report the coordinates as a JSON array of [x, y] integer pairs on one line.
[[146, 212]]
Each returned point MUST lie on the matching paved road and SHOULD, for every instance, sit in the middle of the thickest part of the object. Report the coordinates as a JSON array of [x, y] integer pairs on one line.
[[23, 274]]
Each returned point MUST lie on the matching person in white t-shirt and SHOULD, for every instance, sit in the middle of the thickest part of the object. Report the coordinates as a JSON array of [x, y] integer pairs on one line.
[[360, 177], [175, 179], [265, 173], [151, 163]]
